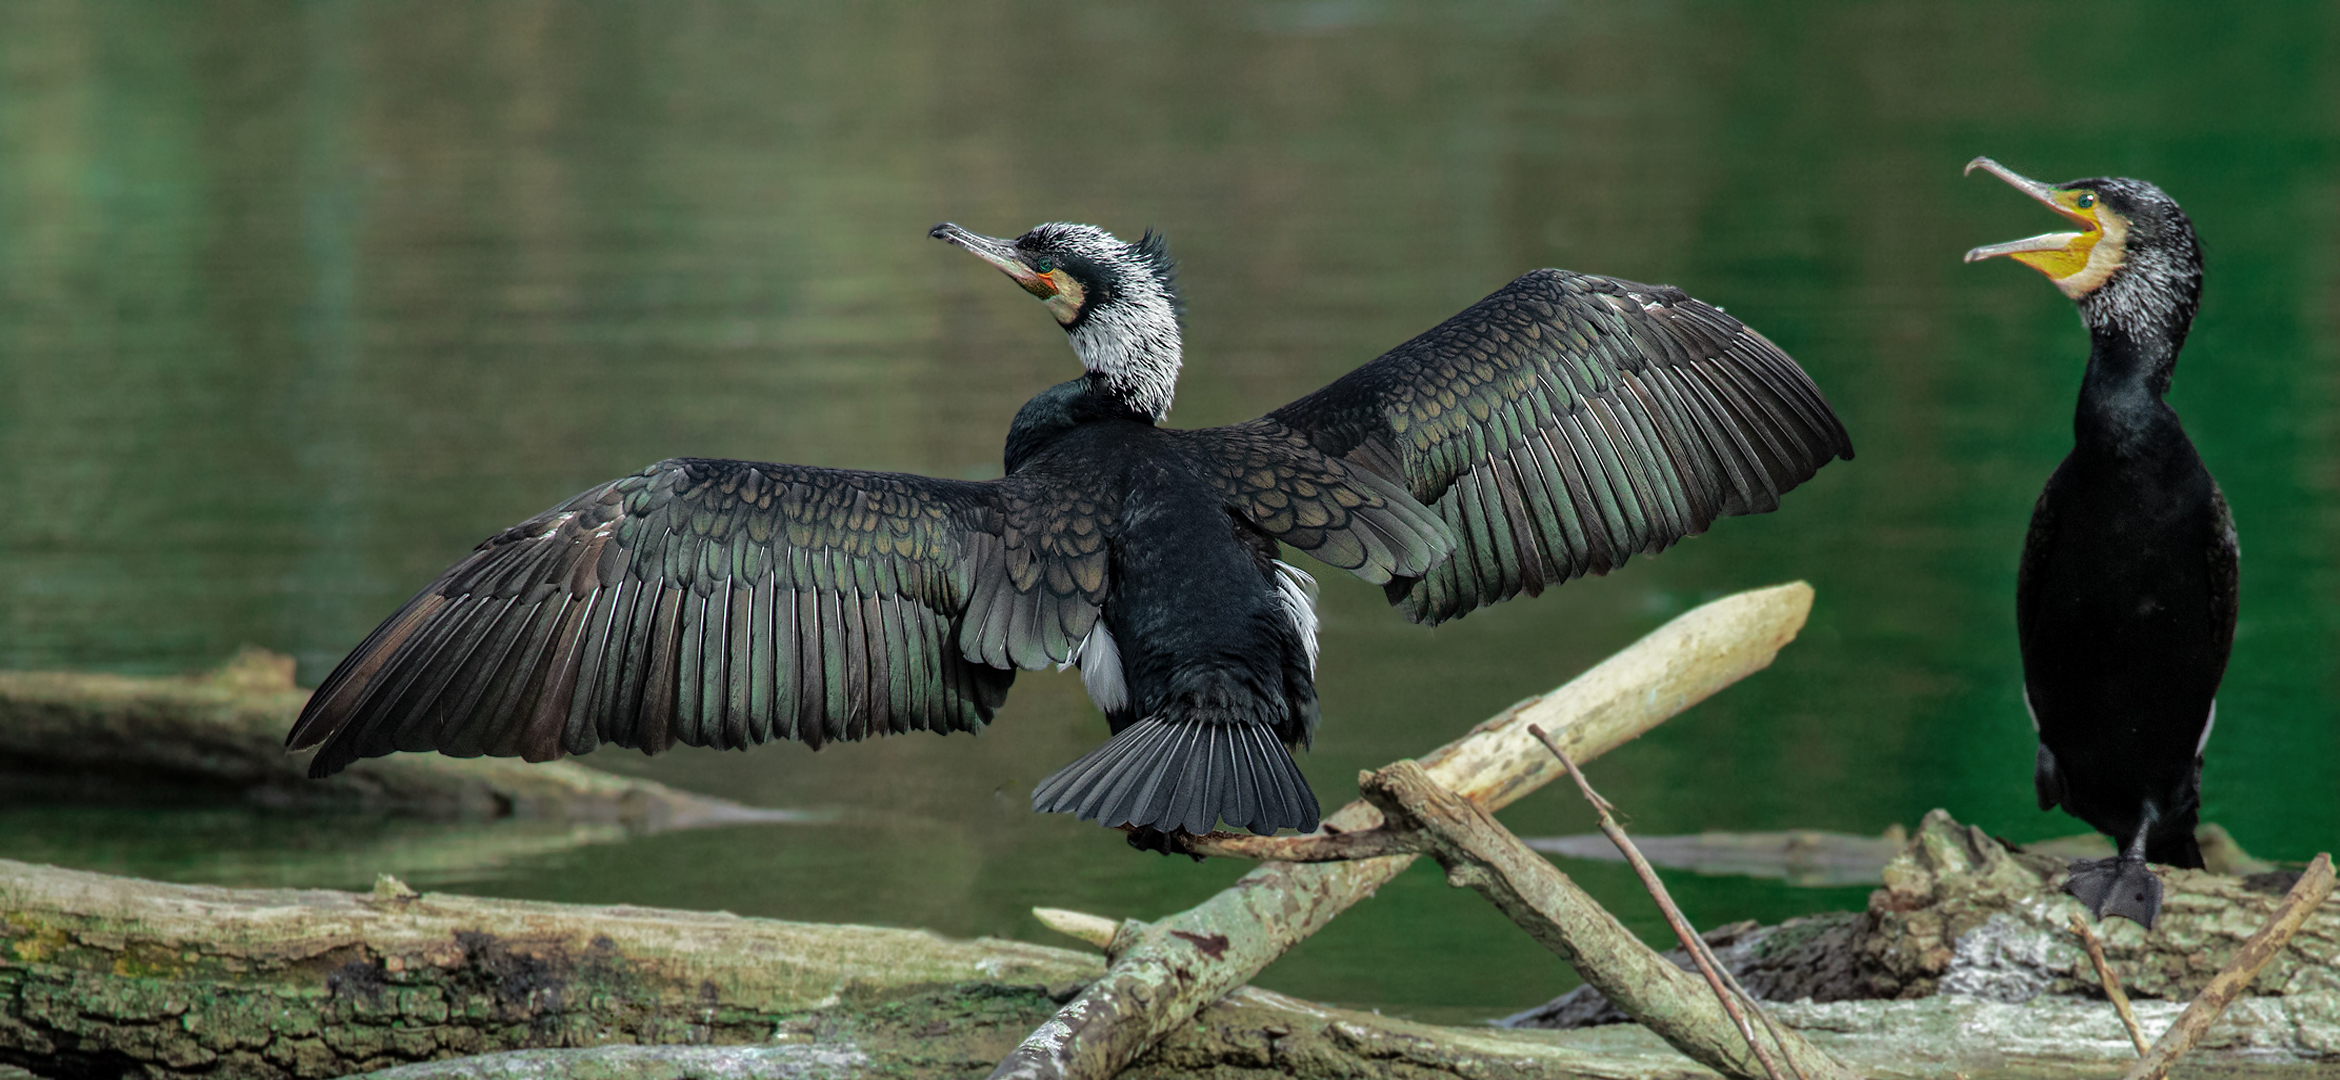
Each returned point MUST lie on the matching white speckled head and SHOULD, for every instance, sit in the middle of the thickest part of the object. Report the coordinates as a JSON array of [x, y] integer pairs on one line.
[[1117, 301]]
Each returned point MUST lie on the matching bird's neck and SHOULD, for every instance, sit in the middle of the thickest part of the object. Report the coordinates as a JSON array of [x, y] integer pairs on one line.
[[2121, 413], [1132, 351], [1059, 409]]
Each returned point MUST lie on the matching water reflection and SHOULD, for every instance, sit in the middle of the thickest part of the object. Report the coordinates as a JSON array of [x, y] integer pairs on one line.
[[297, 302]]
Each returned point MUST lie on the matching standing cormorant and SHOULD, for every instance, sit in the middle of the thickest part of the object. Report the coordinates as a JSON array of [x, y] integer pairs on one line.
[[1550, 430], [2125, 603]]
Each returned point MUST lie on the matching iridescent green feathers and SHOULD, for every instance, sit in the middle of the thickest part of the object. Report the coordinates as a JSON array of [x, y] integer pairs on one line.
[[1567, 422]]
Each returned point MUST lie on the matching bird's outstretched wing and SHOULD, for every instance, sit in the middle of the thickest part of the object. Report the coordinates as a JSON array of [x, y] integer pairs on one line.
[[725, 603], [1565, 423]]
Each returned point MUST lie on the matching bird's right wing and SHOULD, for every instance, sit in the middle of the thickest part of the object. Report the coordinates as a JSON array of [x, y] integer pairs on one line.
[[1566, 422], [726, 603]]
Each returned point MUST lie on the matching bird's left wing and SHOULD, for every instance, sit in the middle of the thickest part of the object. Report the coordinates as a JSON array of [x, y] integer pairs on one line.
[[1564, 423], [726, 603]]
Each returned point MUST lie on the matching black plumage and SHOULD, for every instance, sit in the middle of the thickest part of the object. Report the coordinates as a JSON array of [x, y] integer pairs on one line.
[[2127, 595], [1551, 430]]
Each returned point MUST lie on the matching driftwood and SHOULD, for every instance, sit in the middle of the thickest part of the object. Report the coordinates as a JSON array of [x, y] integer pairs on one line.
[[222, 734], [1262, 1035], [1191, 959], [2234, 980], [100, 974], [1969, 924], [1479, 853]]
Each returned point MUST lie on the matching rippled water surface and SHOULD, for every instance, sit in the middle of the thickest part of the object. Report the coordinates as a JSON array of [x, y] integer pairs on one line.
[[297, 302]]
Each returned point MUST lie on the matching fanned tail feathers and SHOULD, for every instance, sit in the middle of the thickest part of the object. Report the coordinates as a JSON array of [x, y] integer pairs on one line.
[[1188, 774]]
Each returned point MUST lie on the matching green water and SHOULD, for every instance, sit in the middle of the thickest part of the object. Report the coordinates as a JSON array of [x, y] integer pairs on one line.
[[297, 302]]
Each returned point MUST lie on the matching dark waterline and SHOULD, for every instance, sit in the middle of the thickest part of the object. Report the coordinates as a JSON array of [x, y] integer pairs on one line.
[[297, 302]]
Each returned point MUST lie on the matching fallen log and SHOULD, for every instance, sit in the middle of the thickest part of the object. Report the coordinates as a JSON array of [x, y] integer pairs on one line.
[[1964, 916], [221, 734], [1260, 1034], [101, 974], [1183, 963]]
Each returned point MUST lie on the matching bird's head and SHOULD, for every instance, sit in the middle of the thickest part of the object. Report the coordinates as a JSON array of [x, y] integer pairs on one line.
[[2132, 264], [1117, 301]]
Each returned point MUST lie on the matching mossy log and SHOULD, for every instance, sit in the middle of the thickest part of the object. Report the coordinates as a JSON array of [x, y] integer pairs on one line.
[[1255, 1034], [222, 734], [1965, 922], [102, 976], [1963, 913]]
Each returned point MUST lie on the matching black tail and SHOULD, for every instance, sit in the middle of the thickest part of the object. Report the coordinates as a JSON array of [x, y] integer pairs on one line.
[[1186, 774]]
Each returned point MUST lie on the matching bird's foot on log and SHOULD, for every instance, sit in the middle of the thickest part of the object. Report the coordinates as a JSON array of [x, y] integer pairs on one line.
[[2122, 885], [1149, 838]]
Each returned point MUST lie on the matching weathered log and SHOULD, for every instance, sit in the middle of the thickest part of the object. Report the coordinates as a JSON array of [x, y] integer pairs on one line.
[[222, 734], [1484, 856], [1964, 913], [1191, 959], [2234, 979], [102, 974], [1258, 1034], [1966, 917]]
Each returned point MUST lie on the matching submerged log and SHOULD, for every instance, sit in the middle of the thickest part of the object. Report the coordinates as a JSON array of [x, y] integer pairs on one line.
[[222, 734]]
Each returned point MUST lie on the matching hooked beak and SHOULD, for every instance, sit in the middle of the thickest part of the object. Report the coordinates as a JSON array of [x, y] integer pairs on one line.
[[999, 253], [2040, 193]]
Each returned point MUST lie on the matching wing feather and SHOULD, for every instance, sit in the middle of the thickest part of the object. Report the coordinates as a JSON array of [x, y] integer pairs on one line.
[[1563, 424], [724, 604]]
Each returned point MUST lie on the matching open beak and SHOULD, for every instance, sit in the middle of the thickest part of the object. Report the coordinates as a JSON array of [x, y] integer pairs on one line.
[[999, 253], [2045, 196]]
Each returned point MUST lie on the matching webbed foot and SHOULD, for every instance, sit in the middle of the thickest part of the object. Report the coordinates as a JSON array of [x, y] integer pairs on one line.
[[2122, 885]]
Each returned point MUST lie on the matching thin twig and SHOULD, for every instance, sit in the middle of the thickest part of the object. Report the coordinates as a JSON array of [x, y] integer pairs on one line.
[[1691, 942], [2313, 888], [2111, 982]]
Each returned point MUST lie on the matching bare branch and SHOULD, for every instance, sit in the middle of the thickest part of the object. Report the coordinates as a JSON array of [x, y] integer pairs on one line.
[[2313, 888], [2110, 982]]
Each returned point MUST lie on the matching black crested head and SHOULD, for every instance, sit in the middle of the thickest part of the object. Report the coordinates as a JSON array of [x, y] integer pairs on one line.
[[2158, 286], [1118, 302], [2134, 267]]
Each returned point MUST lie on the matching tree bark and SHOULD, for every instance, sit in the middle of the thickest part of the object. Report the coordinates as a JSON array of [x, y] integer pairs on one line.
[[1254, 1034], [100, 975], [1191, 959]]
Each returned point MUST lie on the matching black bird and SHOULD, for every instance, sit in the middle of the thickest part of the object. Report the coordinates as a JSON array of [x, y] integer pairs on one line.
[[2126, 599], [1550, 430]]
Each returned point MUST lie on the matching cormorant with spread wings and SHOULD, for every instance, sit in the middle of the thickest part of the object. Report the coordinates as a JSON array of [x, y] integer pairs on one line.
[[1550, 430]]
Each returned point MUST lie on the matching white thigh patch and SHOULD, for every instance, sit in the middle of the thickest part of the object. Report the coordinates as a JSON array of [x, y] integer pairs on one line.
[[1298, 591], [2031, 712], [2206, 726], [1100, 662]]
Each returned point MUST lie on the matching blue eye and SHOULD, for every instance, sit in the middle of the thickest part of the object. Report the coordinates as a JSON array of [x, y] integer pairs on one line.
[[2086, 200], [1042, 264]]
